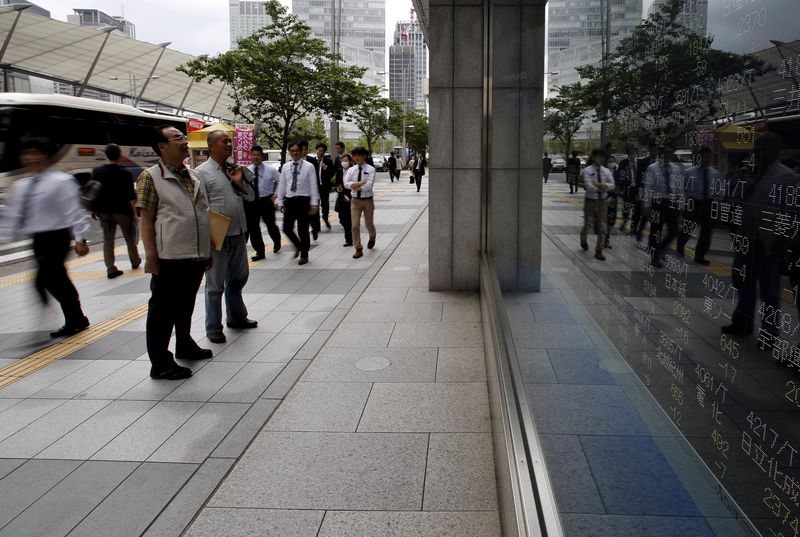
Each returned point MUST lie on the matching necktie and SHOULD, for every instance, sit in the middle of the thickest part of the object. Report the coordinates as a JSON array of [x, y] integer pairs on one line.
[[666, 179], [359, 180], [294, 178], [26, 203], [599, 180], [255, 181]]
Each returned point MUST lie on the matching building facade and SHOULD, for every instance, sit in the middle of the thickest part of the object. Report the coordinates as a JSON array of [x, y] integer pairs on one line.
[[97, 18], [246, 16], [408, 65], [33, 10]]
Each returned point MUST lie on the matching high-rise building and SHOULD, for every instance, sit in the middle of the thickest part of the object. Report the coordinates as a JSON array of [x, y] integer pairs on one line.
[[97, 18], [360, 29], [576, 33], [246, 16], [408, 65]]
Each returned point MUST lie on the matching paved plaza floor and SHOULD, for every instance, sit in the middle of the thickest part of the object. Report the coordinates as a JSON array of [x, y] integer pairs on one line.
[[357, 407]]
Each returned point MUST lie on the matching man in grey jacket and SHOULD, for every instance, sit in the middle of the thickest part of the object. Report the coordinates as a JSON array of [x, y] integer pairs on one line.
[[227, 189]]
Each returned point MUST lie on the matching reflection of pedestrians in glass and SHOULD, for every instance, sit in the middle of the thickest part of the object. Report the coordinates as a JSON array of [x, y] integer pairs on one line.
[[757, 267], [114, 206], [598, 182], [47, 206], [698, 181], [664, 180]]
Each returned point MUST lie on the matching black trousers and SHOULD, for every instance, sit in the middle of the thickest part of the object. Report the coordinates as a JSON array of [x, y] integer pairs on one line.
[[660, 214], [173, 292], [343, 208], [262, 209], [700, 215], [418, 178], [50, 248], [296, 210]]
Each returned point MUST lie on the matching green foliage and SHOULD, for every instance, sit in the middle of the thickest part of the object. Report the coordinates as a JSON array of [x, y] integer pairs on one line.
[[371, 115], [564, 114], [415, 123], [663, 80], [311, 129], [280, 74]]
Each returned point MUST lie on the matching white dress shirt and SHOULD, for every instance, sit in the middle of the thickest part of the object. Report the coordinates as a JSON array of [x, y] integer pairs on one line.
[[268, 179], [53, 202], [693, 182], [306, 182], [593, 176], [367, 175]]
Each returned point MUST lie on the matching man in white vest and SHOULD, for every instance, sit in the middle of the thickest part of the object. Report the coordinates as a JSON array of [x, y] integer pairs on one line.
[[173, 204]]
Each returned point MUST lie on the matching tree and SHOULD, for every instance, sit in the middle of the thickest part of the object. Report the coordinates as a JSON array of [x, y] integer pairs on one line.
[[311, 129], [416, 130], [280, 74], [564, 114], [371, 115], [664, 78]]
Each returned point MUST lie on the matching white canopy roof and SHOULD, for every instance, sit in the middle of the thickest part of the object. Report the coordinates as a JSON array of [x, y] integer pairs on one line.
[[65, 52]]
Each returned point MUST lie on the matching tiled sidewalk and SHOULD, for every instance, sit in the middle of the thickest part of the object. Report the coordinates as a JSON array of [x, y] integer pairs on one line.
[[387, 429]]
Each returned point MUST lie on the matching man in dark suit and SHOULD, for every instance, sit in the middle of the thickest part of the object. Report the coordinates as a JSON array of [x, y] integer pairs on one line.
[[326, 172], [314, 220], [392, 165], [419, 169]]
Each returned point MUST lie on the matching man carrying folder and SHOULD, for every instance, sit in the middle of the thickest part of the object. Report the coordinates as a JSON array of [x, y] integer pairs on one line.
[[227, 189]]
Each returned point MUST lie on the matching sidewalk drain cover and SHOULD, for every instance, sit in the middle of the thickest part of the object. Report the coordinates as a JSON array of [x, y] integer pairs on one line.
[[614, 365], [373, 363]]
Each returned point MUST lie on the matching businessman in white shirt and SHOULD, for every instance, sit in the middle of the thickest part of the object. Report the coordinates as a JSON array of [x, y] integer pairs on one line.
[[359, 180], [298, 200], [598, 181]]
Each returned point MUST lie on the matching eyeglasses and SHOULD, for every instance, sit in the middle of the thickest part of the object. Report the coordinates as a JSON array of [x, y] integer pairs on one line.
[[177, 138]]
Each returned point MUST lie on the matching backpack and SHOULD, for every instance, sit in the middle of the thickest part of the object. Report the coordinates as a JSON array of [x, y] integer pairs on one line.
[[89, 193]]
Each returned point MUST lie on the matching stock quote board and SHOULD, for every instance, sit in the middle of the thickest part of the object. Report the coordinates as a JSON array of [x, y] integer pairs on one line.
[[705, 270]]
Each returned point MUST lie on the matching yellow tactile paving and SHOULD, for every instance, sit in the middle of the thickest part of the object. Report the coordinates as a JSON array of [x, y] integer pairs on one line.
[[30, 364]]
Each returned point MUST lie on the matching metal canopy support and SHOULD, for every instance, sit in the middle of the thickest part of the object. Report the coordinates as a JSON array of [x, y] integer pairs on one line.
[[18, 8], [217, 101], [150, 76], [107, 31], [186, 95]]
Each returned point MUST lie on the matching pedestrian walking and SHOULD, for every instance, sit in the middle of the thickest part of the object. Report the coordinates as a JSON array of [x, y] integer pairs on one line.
[[419, 169], [664, 181], [326, 174], [412, 162], [47, 206], [115, 205], [698, 220], [547, 165], [298, 200], [573, 172], [598, 182], [343, 196], [177, 252], [228, 274], [360, 180], [391, 163], [265, 184]]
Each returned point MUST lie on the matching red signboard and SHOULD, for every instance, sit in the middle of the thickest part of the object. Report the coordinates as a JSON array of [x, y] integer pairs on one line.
[[195, 124]]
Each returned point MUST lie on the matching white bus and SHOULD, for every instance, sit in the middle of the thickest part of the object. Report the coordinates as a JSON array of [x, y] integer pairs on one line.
[[81, 127]]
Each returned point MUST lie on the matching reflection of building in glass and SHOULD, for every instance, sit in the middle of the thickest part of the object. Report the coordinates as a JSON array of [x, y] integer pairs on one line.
[[408, 65], [246, 16]]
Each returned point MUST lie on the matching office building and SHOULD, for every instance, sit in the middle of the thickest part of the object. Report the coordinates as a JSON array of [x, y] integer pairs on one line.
[[97, 18], [408, 64], [33, 10], [246, 16]]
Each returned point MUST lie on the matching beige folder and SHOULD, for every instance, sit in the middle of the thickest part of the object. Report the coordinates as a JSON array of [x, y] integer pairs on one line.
[[219, 228]]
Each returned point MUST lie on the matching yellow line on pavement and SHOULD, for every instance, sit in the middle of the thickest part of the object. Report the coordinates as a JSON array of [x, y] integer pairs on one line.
[[36, 361]]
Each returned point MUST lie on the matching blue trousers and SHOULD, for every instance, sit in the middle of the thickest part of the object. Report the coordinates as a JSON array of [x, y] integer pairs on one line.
[[228, 275]]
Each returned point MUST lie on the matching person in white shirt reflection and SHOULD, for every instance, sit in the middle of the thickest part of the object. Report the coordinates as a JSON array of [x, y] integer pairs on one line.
[[598, 182]]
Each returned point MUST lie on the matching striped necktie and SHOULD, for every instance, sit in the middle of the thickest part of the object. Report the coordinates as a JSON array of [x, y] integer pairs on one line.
[[294, 177]]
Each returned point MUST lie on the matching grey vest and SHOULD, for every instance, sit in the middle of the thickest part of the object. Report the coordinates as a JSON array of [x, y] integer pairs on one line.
[[182, 230]]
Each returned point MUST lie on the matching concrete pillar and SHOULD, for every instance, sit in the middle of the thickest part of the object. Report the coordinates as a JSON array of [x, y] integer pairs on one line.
[[486, 74]]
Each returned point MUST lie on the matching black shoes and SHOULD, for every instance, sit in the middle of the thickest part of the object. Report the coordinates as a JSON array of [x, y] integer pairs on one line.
[[258, 257], [657, 263], [243, 324], [703, 261], [276, 249], [171, 372], [371, 244], [584, 245], [195, 354], [359, 253], [315, 234], [134, 266], [600, 256], [347, 244], [303, 261], [71, 329], [327, 225], [113, 274], [216, 338]]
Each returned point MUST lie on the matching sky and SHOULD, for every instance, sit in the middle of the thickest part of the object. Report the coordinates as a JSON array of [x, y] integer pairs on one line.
[[193, 26]]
